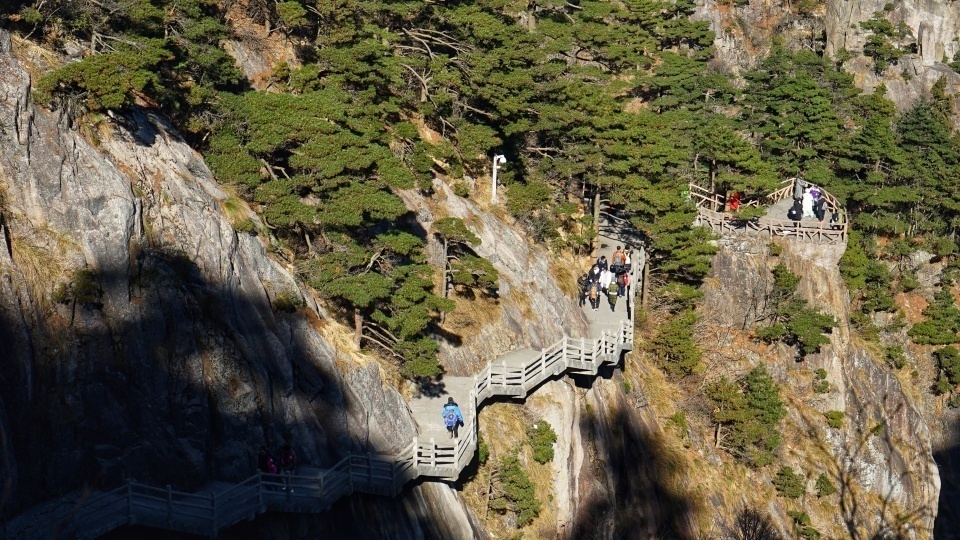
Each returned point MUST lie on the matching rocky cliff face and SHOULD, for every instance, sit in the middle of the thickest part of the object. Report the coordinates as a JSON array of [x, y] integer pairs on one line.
[[530, 310], [142, 334], [882, 459], [745, 32]]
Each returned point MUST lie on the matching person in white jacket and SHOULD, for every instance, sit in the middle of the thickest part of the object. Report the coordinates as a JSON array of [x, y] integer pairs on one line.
[[808, 203], [606, 277]]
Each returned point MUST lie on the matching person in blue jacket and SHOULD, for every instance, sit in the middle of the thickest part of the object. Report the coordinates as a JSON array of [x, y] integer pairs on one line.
[[452, 418]]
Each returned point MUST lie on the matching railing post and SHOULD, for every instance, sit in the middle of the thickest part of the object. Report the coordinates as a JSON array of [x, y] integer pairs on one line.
[[129, 502], [213, 505], [169, 505], [433, 453], [583, 349], [563, 354], [369, 470], [503, 376], [259, 492], [393, 478], [350, 470]]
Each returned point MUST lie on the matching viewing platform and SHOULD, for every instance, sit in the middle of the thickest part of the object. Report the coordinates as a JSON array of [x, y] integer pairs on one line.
[[713, 212]]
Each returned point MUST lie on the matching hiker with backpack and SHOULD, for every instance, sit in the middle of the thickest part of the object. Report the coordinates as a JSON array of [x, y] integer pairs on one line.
[[593, 293], [613, 294], [618, 260], [452, 418], [623, 284]]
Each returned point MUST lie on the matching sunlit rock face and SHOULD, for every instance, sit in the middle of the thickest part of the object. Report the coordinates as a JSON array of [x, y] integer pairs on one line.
[[745, 32], [890, 467]]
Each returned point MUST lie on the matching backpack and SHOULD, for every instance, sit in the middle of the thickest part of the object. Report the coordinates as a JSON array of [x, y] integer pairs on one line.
[[271, 465], [593, 290], [613, 290], [450, 418]]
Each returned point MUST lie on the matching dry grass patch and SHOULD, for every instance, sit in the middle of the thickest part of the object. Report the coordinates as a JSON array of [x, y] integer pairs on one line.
[[472, 316], [41, 256], [565, 269]]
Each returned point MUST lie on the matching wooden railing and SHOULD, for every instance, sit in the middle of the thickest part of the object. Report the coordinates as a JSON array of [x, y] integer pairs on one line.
[[209, 513], [721, 222]]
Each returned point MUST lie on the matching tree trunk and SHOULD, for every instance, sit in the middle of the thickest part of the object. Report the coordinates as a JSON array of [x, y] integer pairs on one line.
[[357, 326], [643, 286], [446, 276], [596, 219], [713, 182]]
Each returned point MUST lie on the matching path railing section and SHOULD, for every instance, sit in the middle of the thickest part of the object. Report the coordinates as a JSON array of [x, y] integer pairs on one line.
[[207, 513], [445, 459], [721, 222]]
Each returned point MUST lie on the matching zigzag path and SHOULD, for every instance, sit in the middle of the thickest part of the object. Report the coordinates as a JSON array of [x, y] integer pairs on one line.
[[432, 454]]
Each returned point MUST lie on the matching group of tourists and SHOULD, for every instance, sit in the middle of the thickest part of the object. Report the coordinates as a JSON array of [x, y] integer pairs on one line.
[[285, 464], [808, 201], [607, 278]]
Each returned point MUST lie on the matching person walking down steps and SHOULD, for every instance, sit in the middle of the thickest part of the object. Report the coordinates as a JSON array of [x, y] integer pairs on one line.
[[593, 293], [452, 418], [613, 294]]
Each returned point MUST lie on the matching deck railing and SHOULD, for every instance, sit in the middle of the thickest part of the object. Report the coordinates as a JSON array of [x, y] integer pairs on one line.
[[721, 222], [209, 513]]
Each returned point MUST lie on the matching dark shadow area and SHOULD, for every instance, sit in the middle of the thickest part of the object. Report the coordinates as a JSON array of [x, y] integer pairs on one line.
[[162, 377], [642, 498], [947, 524], [450, 337], [431, 387]]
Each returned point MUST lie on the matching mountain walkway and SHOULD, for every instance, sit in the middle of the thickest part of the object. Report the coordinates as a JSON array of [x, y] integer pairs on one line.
[[432, 454]]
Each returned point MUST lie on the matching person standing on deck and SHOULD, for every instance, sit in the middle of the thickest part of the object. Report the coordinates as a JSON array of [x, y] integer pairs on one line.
[[452, 418], [808, 203]]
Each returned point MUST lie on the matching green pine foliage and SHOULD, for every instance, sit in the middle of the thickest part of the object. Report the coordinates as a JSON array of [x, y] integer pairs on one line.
[[942, 326], [542, 438], [674, 348], [514, 492], [789, 484], [882, 42], [748, 413], [790, 319], [948, 360], [824, 486], [834, 419], [161, 52]]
